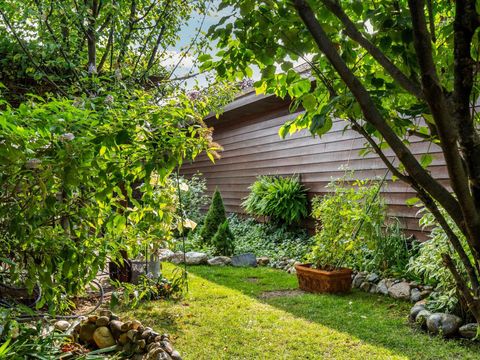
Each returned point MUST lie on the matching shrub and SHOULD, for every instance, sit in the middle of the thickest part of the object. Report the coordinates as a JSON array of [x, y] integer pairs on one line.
[[223, 240], [283, 199], [348, 219], [429, 266], [214, 218]]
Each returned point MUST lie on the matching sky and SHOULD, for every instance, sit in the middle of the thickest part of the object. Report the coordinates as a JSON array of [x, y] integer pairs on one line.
[[187, 35]]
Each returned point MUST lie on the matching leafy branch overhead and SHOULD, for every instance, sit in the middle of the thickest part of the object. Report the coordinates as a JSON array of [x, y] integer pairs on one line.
[[397, 72]]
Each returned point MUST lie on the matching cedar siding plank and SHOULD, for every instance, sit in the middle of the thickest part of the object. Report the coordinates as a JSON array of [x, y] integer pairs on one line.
[[252, 147]]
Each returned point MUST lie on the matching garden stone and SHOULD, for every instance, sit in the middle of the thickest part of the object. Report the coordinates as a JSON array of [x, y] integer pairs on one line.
[[244, 260], [62, 325], [263, 261], [365, 286], [175, 355], [195, 258], [469, 331], [414, 311], [86, 332], [103, 337], [415, 295], [165, 254], [359, 279], [167, 346], [400, 290], [106, 313], [281, 264], [102, 321], [422, 317], [373, 289], [444, 324], [373, 278], [177, 258], [382, 287], [292, 270], [219, 261]]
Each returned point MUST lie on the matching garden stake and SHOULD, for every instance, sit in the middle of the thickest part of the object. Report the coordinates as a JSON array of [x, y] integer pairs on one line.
[[183, 233]]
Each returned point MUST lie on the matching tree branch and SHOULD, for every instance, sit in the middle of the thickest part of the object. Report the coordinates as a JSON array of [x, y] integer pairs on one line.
[[446, 125], [352, 31], [465, 23], [373, 116]]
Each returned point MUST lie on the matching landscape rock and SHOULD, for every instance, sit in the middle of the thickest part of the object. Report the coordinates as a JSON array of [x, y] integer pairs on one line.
[[415, 295], [400, 290], [358, 280], [219, 261], [365, 286], [292, 270], [177, 258], [373, 278], [373, 289], [414, 311], [263, 261], [102, 321], [103, 337], [196, 258], [191, 258], [61, 325], [422, 317], [165, 254], [86, 332], [444, 324], [469, 331], [244, 260], [382, 287]]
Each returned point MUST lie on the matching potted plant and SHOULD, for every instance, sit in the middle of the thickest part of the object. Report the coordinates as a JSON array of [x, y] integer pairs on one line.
[[347, 218]]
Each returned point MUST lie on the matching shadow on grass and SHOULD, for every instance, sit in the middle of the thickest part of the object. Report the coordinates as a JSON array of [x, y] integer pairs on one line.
[[375, 319]]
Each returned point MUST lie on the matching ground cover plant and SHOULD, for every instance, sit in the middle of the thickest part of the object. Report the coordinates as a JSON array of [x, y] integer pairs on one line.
[[269, 240], [227, 311], [393, 71]]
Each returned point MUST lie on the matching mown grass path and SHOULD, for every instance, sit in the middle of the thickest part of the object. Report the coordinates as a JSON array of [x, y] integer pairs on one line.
[[226, 315]]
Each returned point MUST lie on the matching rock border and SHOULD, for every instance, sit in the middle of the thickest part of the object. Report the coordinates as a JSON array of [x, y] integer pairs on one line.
[[105, 330]]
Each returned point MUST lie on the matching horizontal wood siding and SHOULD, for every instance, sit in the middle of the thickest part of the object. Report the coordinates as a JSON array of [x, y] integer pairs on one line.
[[252, 147]]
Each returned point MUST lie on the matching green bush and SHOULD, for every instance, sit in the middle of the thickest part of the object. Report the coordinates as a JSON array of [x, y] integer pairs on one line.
[[348, 219], [214, 218], [223, 240], [429, 266], [282, 199]]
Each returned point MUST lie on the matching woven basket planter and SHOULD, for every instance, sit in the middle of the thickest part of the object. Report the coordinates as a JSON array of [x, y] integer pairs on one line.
[[322, 281]]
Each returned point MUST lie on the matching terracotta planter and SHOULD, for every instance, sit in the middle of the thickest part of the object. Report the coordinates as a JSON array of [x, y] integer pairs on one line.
[[322, 281]]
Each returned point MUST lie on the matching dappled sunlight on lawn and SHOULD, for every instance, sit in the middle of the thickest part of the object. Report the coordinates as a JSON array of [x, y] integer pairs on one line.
[[225, 316]]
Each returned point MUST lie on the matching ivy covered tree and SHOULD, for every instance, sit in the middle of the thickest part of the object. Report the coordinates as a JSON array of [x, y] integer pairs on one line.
[[215, 217], [394, 71]]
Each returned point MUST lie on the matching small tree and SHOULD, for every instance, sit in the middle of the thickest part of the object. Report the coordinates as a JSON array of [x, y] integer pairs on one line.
[[215, 217], [223, 240]]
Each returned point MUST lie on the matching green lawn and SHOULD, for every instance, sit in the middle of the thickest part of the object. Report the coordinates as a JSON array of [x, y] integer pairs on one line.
[[226, 316]]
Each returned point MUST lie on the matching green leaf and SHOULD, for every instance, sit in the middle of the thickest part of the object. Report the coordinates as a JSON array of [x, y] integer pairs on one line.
[[426, 160], [309, 102], [412, 201]]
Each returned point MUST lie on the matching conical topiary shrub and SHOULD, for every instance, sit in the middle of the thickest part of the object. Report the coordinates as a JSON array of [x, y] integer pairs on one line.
[[223, 240], [214, 218]]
